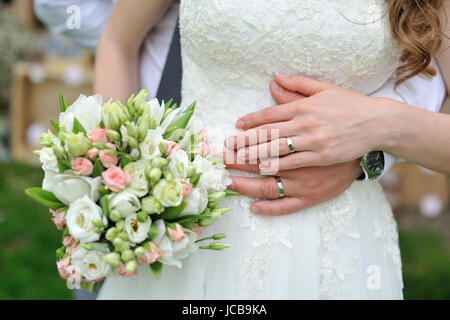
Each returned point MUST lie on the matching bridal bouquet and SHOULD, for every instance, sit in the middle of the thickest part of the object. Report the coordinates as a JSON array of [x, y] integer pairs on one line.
[[128, 185]]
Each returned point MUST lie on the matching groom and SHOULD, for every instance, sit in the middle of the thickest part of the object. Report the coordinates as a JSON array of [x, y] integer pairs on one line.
[[161, 55]]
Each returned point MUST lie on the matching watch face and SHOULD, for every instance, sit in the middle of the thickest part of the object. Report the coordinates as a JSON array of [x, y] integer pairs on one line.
[[375, 163]]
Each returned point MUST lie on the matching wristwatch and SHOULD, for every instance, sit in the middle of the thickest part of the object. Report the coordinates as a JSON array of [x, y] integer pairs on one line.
[[372, 165]]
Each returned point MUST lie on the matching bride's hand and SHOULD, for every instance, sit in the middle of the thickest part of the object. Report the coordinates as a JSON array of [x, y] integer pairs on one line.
[[327, 125], [305, 187]]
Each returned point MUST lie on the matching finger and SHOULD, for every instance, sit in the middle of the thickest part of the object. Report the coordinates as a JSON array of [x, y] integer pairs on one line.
[[233, 162], [265, 188], [260, 134], [278, 207], [268, 115], [301, 84], [293, 161], [274, 148], [283, 96]]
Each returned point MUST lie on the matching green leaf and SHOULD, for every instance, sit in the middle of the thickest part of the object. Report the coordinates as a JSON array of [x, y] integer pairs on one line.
[[230, 193], [173, 212], [44, 197], [65, 233], [124, 161], [187, 223], [156, 269], [64, 165], [153, 232], [98, 168], [62, 103], [104, 203], [89, 287], [195, 178], [167, 105], [77, 127], [182, 121], [55, 125]]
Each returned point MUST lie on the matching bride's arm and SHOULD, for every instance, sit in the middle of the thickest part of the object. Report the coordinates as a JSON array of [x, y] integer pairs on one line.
[[117, 58]]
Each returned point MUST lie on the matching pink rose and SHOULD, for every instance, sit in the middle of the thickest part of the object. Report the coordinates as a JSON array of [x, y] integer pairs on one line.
[[203, 135], [187, 187], [123, 272], [149, 257], [97, 135], [197, 229], [107, 160], [62, 266], [72, 245], [111, 145], [82, 166], [171, 147], [59, 218], [176, 235], [92, 154], [202, 149], [115, 179]]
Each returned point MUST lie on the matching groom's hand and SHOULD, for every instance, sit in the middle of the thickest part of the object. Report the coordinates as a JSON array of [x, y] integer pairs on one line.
[[304, 187]]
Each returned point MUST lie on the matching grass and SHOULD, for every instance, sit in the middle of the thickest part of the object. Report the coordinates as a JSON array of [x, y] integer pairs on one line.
[[426, 265], [28, 240]]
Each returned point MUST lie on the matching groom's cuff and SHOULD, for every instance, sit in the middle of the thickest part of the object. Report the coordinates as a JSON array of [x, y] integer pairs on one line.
[[376, 163]]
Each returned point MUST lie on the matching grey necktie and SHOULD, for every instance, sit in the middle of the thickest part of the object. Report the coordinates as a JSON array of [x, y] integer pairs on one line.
[[170, 84]]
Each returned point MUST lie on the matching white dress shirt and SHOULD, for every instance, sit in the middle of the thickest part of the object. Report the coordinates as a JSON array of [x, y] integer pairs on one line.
[[428, 94]]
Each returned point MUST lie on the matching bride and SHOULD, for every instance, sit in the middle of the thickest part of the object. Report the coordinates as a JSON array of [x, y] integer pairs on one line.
[[345, 248]]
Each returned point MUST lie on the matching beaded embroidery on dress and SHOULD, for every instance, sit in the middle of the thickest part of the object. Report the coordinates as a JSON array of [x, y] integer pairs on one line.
[[346, 248]]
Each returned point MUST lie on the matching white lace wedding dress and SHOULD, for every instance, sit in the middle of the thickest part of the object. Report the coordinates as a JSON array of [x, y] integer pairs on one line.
[[344, 248]]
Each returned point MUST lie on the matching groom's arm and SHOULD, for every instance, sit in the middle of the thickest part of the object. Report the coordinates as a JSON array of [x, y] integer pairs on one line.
[[427, 94]]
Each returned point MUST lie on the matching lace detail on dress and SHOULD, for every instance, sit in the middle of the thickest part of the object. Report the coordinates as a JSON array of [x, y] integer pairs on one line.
[[254, 259], [385, 228], [241, 45], [336, 221]]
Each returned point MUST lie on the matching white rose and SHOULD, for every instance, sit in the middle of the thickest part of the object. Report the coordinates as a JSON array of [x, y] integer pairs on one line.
[[49, 160], [80, 217], [174, 252], [137, 231], [69, 187], [88, 111], [150, 146], [179, 157], [138, 181], [196, 202], [90, 264], [214, 178], [124, 202], [169, 193]]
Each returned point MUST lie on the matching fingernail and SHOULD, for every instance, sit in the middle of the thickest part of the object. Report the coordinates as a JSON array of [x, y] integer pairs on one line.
[[282, 75], [264, 164], [242, 154], [255, 209], [230, 142], [240, 124], [231, 186]]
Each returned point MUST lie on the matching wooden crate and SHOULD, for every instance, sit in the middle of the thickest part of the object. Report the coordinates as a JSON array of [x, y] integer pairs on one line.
[[37, 103]]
